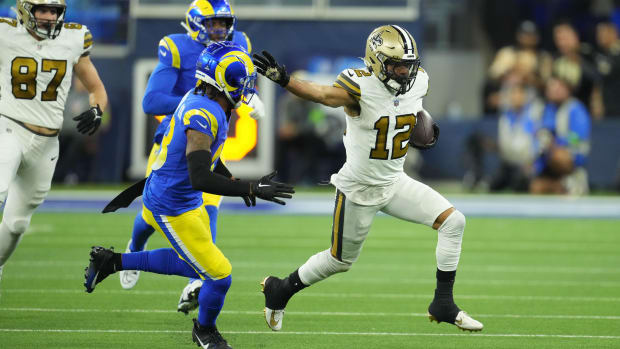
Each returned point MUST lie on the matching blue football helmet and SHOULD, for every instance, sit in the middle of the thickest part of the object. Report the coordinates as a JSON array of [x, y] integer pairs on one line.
[[229, 68], [199, 21]]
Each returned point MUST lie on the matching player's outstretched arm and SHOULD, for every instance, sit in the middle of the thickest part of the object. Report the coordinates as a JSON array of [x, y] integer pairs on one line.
[[220, 168], [199, 159], [326, 95]]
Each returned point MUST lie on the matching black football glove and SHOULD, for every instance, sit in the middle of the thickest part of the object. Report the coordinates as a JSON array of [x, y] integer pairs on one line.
[[268, 189], [89, 121], [267, 65], [432, 143]]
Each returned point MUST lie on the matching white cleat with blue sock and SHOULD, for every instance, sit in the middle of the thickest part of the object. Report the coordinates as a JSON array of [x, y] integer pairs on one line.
[[189, 297], [129, 278]]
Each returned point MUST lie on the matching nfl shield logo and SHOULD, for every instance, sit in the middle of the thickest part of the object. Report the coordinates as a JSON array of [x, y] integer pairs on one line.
[[396, 102]]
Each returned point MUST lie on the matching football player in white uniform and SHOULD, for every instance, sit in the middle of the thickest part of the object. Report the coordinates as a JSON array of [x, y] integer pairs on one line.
[[381, 102], [38, 54]]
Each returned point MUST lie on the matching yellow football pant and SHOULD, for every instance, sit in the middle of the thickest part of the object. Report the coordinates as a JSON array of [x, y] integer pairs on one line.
[[190, 236]]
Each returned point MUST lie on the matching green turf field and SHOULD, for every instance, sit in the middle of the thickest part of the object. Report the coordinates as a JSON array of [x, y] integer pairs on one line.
[[533, 283]]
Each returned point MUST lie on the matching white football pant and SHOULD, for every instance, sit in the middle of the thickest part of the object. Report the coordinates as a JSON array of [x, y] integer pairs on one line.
[[27, 163], [413, 201]]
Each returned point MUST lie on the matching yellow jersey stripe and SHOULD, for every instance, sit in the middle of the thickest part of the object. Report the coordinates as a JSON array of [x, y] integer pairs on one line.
[[212, 121], [337, 233], [354, 85], [247, 39], [176, 57], [349, 85], [346, 88], [209, 118]]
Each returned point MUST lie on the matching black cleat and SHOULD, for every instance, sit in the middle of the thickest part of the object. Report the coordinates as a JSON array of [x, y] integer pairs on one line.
[[444, 310], [208, 337], [101, 265], [274, 289]]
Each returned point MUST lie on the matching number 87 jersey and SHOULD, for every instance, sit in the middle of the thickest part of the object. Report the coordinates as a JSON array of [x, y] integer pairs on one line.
[[377, 140], [35, 76]]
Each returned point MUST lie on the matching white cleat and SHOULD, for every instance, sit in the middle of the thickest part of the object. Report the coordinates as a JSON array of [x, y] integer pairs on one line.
[[189, 297], [129, 278], [274, 318], [467, 323], [463, 321]]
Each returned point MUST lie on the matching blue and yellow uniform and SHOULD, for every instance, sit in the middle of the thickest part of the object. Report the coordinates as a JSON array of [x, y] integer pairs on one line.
[[173, 77], [171, 205]]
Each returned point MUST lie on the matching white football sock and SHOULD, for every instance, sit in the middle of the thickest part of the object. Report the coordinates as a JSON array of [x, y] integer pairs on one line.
[[8, 243], [321, 266], [449, 238]]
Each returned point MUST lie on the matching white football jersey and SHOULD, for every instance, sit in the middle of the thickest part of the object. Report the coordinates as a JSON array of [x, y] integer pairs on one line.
[[35, 76], [377, 140]]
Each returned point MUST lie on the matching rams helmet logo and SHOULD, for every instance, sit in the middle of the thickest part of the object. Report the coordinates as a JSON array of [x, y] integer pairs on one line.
[[200, 15], [229, 68]]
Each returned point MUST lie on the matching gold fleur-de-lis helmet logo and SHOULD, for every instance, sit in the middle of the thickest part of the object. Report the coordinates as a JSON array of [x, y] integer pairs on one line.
[[377, 40]]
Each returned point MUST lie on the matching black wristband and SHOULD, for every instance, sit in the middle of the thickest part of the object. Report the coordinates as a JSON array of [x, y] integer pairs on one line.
[[201, 177], [220, 168]]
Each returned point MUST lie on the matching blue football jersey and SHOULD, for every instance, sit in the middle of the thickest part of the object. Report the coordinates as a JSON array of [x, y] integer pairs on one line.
[[168, 190], [180, 51]]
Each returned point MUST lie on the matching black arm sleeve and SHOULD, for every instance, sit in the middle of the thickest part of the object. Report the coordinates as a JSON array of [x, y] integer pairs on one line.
[[220, 168], [201, 177]]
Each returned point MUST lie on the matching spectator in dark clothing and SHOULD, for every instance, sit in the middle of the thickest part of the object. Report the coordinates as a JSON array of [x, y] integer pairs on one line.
[[78, 152], [523, 62], [309, 142], [608, 65], [571, 65]]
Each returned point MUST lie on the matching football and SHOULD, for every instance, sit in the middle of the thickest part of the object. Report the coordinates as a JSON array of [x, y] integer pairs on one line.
[[422, 134]]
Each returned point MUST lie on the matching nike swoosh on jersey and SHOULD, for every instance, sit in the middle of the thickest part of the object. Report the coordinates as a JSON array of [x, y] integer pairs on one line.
[[260, 185], [163, 53], [203, 125]]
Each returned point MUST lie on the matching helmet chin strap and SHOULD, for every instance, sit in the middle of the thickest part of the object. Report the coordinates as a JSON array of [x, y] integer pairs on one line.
[[394, 86], [235, 104]]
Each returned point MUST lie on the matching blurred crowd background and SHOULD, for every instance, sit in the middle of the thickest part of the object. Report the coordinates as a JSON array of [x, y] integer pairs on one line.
[[526, 92]]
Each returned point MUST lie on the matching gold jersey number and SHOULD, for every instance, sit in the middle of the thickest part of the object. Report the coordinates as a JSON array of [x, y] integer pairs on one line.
[[24, 72], [380, 151]]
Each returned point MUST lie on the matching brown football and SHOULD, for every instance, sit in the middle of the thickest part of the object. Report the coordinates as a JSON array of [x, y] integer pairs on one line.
[[423, 130]]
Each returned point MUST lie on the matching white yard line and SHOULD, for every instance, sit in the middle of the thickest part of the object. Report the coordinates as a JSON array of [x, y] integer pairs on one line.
[[312, 313], [315, 333], [470, 268], [412, 281], [338, 295]]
